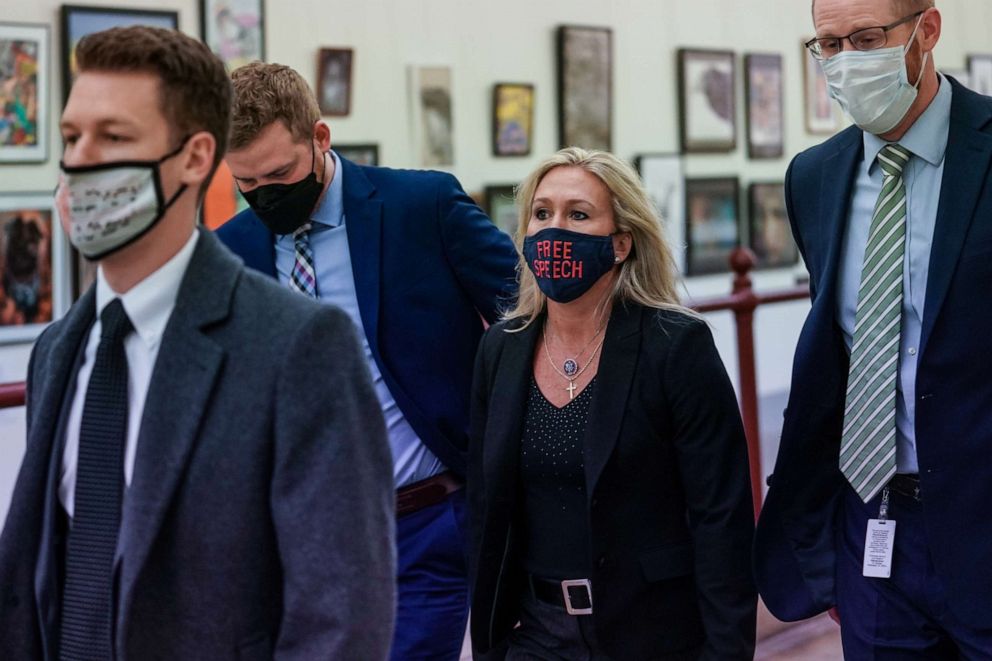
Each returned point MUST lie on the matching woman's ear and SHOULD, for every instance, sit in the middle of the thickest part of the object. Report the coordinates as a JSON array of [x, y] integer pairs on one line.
[[622, 245]]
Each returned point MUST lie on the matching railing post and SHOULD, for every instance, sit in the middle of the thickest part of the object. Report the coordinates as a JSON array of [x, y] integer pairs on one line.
[[11, 395], [742, 261]]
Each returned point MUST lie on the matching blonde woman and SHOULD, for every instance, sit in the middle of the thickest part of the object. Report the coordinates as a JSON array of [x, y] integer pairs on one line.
[[609, 495]]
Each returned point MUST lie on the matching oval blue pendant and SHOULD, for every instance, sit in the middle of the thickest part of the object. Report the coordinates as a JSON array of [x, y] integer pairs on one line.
[[570, 367]]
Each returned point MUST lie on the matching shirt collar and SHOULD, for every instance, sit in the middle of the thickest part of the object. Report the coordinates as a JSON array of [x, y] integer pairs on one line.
[[927, 137], [149, 303], [330, 211]]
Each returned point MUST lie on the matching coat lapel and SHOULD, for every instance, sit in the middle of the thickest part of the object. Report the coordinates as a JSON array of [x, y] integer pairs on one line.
[[508, 405], [363, 222], [837, 183], [616, 372], [185, 371], [966, 167]]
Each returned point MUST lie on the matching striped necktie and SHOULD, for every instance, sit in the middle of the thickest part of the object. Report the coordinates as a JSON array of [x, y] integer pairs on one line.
[[303, 278], [868, 443]]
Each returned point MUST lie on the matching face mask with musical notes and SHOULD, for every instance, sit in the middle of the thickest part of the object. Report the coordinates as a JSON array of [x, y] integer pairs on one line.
[[110, 205]]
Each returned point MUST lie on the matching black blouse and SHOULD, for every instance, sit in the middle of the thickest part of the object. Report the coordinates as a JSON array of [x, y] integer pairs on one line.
[[555, 512]]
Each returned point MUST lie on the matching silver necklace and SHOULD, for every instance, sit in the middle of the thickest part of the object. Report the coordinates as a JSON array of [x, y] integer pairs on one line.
[[570, 366], [577, 372]]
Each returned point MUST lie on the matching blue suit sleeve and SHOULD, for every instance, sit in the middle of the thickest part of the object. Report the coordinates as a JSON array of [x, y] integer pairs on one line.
[[482, 256]]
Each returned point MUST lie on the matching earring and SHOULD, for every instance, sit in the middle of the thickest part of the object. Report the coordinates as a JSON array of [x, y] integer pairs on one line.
[[616, 260]]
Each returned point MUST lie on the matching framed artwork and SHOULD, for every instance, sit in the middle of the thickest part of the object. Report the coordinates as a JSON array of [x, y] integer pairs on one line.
[[362, 154], [585, 87], [707, 100], [79, 21], [501, 206], [980, 73], [32, 258], [664, 181], [433, 126], [711, 224], [770, 236], [234, 30], [822, 112], [765, 108], [24, 85], [334, 81], [513, 119]]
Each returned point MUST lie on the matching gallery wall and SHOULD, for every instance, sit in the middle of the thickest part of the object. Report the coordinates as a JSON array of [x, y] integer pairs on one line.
[[514, 41]]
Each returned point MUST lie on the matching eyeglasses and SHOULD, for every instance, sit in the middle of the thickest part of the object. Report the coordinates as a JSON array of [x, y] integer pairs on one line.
[[823, 48]]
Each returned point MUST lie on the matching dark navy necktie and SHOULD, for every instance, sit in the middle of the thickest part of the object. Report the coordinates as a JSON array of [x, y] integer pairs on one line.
[[87, 604]]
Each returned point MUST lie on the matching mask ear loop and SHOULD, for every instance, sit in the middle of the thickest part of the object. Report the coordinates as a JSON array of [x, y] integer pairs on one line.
[[926, 55], [157, 179]]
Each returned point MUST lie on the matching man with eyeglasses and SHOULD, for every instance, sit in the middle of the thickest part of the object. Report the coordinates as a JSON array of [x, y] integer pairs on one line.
[[880, 497]]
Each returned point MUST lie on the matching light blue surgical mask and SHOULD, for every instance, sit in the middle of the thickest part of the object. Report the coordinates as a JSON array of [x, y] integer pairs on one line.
[[873, 86]]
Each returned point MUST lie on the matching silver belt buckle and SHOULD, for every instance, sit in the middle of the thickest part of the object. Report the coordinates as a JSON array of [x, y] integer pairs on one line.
[[577, 583]]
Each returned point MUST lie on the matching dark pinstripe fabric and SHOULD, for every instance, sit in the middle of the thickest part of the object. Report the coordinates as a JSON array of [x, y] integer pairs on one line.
[[87, 608]]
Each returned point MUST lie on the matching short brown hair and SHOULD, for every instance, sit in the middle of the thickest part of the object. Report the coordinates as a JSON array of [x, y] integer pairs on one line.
[[265, 93], [194, 90]]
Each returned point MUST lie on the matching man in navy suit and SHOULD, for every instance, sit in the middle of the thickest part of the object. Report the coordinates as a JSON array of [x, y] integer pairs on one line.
[[417, 266], [889, 420]]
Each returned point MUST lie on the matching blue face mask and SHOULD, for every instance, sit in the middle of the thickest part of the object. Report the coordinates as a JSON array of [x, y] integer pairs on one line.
[[566, 264]]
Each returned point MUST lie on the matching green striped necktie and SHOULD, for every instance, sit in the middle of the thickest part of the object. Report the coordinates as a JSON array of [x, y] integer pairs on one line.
[[868, 444]]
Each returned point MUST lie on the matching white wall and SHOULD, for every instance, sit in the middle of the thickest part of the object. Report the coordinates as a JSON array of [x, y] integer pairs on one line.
[[513, 40]]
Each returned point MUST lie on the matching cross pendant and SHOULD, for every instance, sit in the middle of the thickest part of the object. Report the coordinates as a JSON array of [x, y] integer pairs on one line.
[[571, 390]]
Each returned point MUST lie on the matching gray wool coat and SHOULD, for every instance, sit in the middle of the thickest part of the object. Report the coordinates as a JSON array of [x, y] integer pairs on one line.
[[259, 522]]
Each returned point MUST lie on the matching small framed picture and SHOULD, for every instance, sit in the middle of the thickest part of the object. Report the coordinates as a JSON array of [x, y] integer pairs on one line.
[[79, 21], [32, 266], [361, 154], [765, 125], [664, 181], [585, 87], [980, 73], [334, 81], [707, 100], [433, 120], [24, 107], [513, 119], [712, 224], [234, 30], [501, 206], [823, 116], [770, 236]]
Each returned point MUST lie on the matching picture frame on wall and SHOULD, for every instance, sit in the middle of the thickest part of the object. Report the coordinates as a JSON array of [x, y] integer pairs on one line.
[[707, 100], [585, 87], [234, 30], [765, 105], [501, 207], [334, 67], [32, 265], [769, 233], [24, 85], [712, 224], [432, 116], [79, 21], [513, 119], [823, 115], [980, 73], [664, 181], [361, 153]]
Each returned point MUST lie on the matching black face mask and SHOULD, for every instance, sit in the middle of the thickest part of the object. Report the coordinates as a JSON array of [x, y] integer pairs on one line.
[[284, 208], [566, 264]]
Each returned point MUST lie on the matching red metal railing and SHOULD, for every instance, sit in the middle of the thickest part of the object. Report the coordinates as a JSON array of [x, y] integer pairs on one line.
[[742, 301]]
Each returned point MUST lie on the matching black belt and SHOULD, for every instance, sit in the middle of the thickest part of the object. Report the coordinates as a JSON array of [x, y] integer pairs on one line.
[[574, 595], [906, 485]]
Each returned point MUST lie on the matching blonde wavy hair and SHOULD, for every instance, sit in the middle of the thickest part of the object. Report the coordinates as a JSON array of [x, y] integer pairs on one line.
[[648, 276]]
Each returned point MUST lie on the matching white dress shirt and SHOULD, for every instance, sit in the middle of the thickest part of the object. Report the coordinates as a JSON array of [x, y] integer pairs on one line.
[[149, 305]]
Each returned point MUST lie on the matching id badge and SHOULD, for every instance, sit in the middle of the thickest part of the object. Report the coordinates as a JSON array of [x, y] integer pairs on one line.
[[879, 541]]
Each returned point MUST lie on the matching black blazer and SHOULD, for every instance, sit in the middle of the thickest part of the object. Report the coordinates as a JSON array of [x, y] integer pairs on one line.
[[667, 484]]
